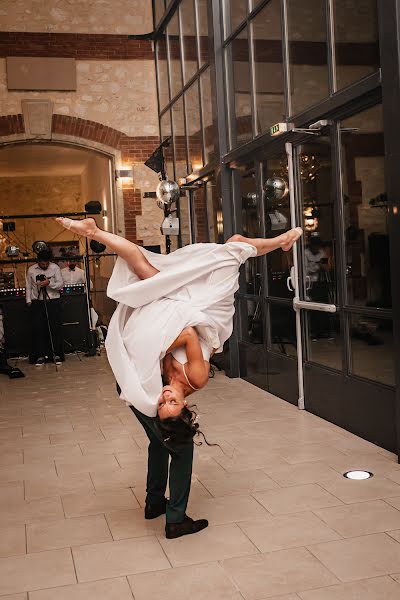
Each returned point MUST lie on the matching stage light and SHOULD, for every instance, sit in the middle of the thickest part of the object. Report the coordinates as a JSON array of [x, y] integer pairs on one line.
[[38, 246], [358, 475], [97, 247], [93, 207]]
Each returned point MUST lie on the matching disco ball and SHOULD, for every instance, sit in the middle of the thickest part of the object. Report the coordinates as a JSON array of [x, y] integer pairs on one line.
[[38, 246], [167, 192], [276, 188]]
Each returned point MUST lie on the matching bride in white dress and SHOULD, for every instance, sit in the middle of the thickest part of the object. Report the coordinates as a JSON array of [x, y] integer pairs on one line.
[[174, 312]]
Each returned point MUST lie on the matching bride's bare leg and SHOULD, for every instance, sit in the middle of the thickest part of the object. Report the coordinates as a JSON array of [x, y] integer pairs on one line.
[[124, 248], [264, 246]]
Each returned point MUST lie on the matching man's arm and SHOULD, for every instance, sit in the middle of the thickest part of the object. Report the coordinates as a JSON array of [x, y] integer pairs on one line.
[[56, 282], [28, 287]]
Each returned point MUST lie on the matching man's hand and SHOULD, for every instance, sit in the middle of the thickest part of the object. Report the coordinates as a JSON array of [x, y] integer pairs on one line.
[[44, 283]]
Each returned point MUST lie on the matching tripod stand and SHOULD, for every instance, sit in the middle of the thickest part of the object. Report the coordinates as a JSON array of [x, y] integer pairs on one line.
[[45, 298]]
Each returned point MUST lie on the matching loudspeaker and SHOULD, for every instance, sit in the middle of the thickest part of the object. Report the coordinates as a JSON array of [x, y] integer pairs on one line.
[[17, 328], [75, 327]]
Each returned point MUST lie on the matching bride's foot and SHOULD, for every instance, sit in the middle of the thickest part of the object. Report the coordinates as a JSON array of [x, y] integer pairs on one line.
[[290, 237], [85, 227]]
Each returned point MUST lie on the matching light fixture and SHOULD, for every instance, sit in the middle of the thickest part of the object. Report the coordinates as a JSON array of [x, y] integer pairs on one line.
[[125, 173], [310, 218], [358, 475], [196, 167], [220, 222]]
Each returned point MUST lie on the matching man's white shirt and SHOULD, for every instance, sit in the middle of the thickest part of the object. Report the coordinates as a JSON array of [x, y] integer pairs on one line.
[[52, 273]]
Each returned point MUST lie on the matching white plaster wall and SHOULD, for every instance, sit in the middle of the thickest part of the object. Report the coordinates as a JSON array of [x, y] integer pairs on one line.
[[77, 16]]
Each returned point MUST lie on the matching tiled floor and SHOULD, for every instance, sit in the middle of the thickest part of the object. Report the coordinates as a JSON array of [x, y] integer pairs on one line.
[[284, 523]]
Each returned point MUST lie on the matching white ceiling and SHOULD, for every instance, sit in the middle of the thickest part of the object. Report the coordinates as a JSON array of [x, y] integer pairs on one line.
[[24, 160]]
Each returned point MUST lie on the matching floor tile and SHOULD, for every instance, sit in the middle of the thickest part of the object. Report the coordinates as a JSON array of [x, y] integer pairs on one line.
[[114, 559], [296, 498], [28, 512], [202, 582], [22, 472], [309, 453], [228, 509], [12, 541], [107, 589], [277, 573], [380, 588], [44, 487], [11, 492], [312, 472], [110, 479], [51, 453], [289, 531], [67, 532], [122, 444], [93, 503], [361, 518], [349, 490], [242, 482], [361, 557], [131, 523], [85, 464], [213, 543], [15, 597], [36, 571]]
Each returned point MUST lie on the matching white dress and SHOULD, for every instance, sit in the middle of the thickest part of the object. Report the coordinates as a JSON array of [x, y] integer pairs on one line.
[[195, 286]]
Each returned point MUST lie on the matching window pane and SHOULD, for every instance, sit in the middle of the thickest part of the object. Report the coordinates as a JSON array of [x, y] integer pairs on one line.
[[253, 364], [268, 64], [308, 53], [375, 336], [162, 64], [199, 215], [242, 126], [209, 122], [366, 210], [195, 141], [159, 9], [282, 324], [189, 39], [251, 312], [178, 123], [214, 211], [202, 25], [165, 125], [318, 217], [174, 55], [357, 42], [277, 221], [235, 11], [324, 339]]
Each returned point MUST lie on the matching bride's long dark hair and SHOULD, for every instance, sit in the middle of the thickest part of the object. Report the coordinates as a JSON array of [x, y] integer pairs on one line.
[[177, 431]]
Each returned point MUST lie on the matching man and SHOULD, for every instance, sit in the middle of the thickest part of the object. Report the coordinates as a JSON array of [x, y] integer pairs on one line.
[[43, 282], [72, 274]]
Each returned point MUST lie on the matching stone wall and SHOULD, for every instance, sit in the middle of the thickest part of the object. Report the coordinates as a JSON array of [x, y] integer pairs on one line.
[[90, 16]]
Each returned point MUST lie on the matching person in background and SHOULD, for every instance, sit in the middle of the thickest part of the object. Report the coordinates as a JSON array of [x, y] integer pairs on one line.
[[72, 274], [43, 284]]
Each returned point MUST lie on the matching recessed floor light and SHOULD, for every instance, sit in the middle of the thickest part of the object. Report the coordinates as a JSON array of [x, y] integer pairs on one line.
[[358, 475]]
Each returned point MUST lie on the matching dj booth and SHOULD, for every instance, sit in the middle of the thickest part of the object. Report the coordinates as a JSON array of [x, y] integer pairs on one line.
[[17, 320]]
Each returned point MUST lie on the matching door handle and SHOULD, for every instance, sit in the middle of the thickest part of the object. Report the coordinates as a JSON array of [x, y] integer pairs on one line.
[[308, 282], [289, 284], [328, 308]]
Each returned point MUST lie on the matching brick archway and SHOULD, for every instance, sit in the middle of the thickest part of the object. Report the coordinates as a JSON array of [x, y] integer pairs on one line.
[[97, 136]]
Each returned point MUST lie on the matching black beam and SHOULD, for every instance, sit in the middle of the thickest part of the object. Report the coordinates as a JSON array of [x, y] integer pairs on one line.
[[46, 215], [389, 26]]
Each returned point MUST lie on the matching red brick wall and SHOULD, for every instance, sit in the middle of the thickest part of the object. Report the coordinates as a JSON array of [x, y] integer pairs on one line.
[[133, 150], [75, 45]]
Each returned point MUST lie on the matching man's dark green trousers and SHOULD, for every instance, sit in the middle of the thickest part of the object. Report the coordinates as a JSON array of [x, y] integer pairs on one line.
[[158, 466]]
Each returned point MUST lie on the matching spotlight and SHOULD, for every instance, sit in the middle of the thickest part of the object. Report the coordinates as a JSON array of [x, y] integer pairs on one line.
[[358, 475], [93, 207], [12, 251], [97, 247], [38, 246]]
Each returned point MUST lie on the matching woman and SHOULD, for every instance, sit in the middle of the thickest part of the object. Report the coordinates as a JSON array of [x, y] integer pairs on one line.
[[174, 312]]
